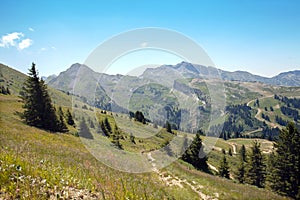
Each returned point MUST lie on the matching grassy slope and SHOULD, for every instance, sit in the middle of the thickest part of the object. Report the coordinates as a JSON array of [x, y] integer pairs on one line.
[[61, 160], [66, 165], [52, 163]]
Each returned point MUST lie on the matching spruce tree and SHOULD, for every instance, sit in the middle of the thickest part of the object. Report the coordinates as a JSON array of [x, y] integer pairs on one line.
[[256, 172], [224, 168], [195, 154], [241, 172], [39, 111], [104, 130], [230, 152], [107, 125], [7, 91], [49, 117], [116, 138], [70, 119], [168, 127], [286, 174], [243, 153], [3, 90], [240, 175], [61, 122]]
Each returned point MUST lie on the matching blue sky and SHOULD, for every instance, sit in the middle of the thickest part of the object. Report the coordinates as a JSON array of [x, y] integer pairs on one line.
[[259, 36]]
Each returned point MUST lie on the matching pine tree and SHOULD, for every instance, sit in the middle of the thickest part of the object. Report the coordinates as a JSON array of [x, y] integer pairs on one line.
[[139, 116], [61, 122], [230, 152], [132, 138], [116, 138], [243, 153], [195, 154], [241, 172], [7, 91], [168, 127], [104, 130], [3, 90], [107, 125], [224, 168], [70, 119], [242, 165], [39, 111], [223, 151], [286, 173], [256, 172]]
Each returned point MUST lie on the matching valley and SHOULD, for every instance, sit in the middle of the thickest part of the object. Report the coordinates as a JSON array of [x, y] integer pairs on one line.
[[39, 164]]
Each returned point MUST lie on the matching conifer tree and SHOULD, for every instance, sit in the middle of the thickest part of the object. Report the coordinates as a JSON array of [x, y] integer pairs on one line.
[[168, 127], [224, 168], [70, 119], [241, 172], [39, 111], [104, 130], [107, 125], [132, 138], [61, 122], [256, 172], [286, 173], [3, 90], [242, 165], [116, 138], [7, 91], [243, 153], [230, 152], [195, 154]]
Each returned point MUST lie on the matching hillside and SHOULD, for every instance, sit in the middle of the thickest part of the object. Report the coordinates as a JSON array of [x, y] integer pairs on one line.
[[182, 92], [42, 165]]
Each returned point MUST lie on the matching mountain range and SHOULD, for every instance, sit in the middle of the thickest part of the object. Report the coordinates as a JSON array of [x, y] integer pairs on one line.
[[180, 70]]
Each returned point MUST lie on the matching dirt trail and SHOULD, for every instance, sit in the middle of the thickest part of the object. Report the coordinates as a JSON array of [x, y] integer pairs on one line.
[[170, 180], [233, 147], [259, 111], [212, 167]]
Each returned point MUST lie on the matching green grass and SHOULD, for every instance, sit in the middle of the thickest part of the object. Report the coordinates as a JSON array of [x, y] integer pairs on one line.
[[63, 161], [216, 186], [38, 164]]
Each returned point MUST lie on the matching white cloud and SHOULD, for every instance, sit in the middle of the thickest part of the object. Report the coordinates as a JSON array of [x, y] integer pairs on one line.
[[10, 39], [31, 29], [43, 49], [25, 43], [15, 39]]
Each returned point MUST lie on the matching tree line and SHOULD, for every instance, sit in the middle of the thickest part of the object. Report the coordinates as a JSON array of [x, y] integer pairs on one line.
[[279, 171]]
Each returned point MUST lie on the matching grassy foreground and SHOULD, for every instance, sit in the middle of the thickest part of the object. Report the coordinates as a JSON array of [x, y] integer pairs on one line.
[[35, 164]]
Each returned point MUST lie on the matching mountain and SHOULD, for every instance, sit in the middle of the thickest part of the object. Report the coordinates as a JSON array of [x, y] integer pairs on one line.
[[67, 166], [291, 78], [170, 90], [188, 70]]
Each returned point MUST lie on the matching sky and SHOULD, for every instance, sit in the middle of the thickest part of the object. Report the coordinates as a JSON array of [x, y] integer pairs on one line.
[[258, 36]]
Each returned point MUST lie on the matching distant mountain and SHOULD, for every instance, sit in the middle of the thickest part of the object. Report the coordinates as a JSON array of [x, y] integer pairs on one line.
[[291, 78], [48, 78], [188, 70]]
